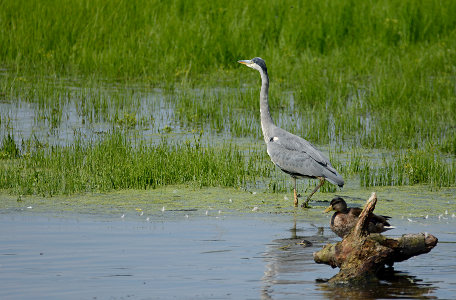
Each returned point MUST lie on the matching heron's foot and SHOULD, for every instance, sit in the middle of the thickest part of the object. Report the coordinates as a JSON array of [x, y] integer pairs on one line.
[[296, 201], [305, 204], [295, 197]]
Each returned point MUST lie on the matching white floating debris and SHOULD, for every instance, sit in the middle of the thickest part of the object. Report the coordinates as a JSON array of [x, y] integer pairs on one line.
[[147, 219], [446, 212], [255, 208], [285, 198], [186, 216], [453, 215], [142, 213], [410, 220], [219, 212], [427, 216], [254, 193], [122, 216], [442, 217], [29, 207], [207, 212], [163, 208], [231, 201]]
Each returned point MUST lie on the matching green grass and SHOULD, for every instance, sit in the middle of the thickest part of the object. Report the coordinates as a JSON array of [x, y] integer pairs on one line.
[[347, 75], [423, 166], [116, 162], [174, 40]]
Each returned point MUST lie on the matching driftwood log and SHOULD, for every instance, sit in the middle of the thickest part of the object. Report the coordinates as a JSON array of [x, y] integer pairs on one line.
[[361, 256]]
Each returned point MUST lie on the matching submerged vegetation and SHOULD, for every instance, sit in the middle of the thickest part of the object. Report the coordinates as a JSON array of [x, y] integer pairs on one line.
[[98, 96]]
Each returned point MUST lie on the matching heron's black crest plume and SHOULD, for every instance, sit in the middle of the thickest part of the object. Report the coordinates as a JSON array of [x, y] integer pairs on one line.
[[259, 61]]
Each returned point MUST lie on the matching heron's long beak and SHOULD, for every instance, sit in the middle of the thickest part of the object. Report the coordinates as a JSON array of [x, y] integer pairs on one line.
[[328, 209], [245, 62]]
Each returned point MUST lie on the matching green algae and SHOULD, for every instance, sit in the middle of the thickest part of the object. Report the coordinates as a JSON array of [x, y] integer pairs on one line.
[[397, 202]]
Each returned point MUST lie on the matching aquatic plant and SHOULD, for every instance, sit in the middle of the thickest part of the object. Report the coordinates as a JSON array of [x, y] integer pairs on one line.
[[117, 162], [8, 148], [411, 167]]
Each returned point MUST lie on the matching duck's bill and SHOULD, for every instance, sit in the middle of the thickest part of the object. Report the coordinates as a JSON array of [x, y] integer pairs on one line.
[[328, 209]]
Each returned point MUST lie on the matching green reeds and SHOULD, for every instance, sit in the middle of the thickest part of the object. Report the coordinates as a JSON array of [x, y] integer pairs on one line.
[[169, 41], [8, 148], [412, 167], [118, 163]]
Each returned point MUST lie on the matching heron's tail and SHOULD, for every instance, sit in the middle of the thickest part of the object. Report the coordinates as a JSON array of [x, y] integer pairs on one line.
[[335, 178]]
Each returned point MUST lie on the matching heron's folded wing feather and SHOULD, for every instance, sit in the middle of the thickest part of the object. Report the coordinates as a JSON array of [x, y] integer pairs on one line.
[[297, 156], [296, 143], [293, 161]]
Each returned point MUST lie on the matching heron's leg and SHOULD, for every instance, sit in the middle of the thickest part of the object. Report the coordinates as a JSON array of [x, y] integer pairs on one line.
[[295, 193], [322, 181]]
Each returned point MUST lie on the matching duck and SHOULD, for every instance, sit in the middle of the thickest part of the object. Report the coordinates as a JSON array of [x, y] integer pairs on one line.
[[344, 219]]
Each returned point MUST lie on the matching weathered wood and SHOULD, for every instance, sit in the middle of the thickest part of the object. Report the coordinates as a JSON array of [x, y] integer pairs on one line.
[[360, 255], [361, 227]]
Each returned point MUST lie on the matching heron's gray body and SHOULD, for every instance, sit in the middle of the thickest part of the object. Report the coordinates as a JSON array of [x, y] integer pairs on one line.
[[291, 153], [299, 158]]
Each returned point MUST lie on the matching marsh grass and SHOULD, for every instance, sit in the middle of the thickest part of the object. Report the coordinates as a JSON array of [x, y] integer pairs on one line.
[[8, 148], [169, 40], [411, 167], [116, 162]]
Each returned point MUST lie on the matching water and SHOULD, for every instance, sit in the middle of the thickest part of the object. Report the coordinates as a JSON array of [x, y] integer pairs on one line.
[[191, 255], [62, 127]]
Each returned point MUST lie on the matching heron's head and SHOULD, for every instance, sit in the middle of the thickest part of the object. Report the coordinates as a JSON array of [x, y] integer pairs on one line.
[[255, 63], [337, 204]]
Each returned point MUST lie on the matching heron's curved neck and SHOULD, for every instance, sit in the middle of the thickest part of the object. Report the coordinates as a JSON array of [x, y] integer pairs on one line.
[[266, 120]]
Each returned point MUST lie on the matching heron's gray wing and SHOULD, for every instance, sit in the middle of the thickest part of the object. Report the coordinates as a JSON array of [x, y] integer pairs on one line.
[[296, 143], [297, 157]]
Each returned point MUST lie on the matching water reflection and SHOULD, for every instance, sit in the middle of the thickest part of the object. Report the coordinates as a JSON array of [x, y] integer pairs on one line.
[[393, 285], [289, 262]]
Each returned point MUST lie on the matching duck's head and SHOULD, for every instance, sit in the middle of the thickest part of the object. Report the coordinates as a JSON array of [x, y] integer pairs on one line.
[[337, 204]]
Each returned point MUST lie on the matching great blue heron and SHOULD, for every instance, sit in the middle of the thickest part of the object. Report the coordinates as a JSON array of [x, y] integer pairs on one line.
[[292, 154]]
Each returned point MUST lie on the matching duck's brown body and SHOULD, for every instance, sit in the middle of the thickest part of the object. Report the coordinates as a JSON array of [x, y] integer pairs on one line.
[[344, 219]]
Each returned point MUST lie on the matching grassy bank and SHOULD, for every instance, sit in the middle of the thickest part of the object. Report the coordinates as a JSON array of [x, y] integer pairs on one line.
[[118, 163]]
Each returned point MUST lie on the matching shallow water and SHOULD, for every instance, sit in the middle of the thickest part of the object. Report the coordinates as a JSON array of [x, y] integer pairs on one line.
[[193, 255], [64, 126]]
